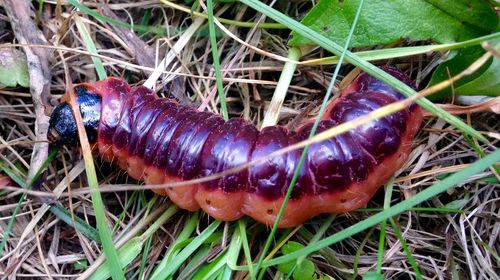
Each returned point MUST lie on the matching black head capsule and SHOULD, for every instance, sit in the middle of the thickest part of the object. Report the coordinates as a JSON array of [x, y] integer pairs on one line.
[[62, 124]]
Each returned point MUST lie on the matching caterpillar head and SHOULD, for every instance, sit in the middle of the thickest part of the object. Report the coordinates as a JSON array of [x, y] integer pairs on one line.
[[62, 124]]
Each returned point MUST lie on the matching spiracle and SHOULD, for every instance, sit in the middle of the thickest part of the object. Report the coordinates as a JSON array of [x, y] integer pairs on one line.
[[160, 141]]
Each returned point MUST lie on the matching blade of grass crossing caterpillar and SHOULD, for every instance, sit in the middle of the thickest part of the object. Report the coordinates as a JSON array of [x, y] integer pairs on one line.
[[98, 205], [306, 148], [380, 54]]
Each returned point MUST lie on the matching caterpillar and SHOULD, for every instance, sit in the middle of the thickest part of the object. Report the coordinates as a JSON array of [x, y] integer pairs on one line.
[[158, 141]]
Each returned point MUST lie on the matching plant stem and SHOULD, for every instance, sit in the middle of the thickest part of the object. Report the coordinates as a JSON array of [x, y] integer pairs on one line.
[[216, 62], [264, 25], [272, 113]]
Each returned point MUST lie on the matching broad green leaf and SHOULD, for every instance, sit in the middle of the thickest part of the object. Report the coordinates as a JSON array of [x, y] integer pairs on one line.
[[477, 13], [13, 68], [486, 84], [482, 82], [457, 62], [304, 270], [383, 22]]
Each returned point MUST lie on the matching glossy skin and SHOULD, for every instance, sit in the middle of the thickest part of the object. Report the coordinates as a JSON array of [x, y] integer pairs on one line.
[[62, 129], [160, 141]]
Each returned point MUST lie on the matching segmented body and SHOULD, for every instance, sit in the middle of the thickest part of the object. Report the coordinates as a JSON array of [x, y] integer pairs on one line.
[[158, 140]]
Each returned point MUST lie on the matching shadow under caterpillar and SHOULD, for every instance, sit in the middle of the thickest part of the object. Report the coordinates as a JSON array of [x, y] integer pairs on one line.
[[158, 141]]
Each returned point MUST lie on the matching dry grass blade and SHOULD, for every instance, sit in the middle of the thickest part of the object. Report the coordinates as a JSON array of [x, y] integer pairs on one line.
[[27, 33]]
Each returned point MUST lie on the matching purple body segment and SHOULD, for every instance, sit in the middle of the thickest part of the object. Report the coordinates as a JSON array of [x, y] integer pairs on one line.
[[327, 163], [142, 126], [112, 110], [216, 151], [268, 178], [125, 129], [182, 140], [161, 159], [239, 153], [369, 83], [304, 184], [191, 161], [189, 144], [163, 122]]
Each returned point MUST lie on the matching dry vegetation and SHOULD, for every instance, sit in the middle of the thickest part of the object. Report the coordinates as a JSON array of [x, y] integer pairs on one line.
[[461, 242]]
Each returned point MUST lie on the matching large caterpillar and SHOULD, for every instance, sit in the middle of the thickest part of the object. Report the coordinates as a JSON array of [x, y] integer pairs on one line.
[[158, 140]]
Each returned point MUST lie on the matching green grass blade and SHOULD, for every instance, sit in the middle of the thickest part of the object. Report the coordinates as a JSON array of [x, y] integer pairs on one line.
[[216, 61], [135, 27], [359, 251], [64, 215], [213, 268], [10, 225], [146, 17], [126, 255], [194, 263], [383, 226], [226, 274], [144, 258], [110, 252], [234, 249], [89, 43], [186, 232], [13, 175], [132, 248], [367, 67], [411, 259], [178, 260], [418, 209], [381, 54], [112, 259], [246, 248]]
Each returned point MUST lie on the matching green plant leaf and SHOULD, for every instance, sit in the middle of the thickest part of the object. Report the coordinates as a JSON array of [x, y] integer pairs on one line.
[[13, 68], [482, 82], [457, 62], [383, 22], [303, 270], [486, 84]]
